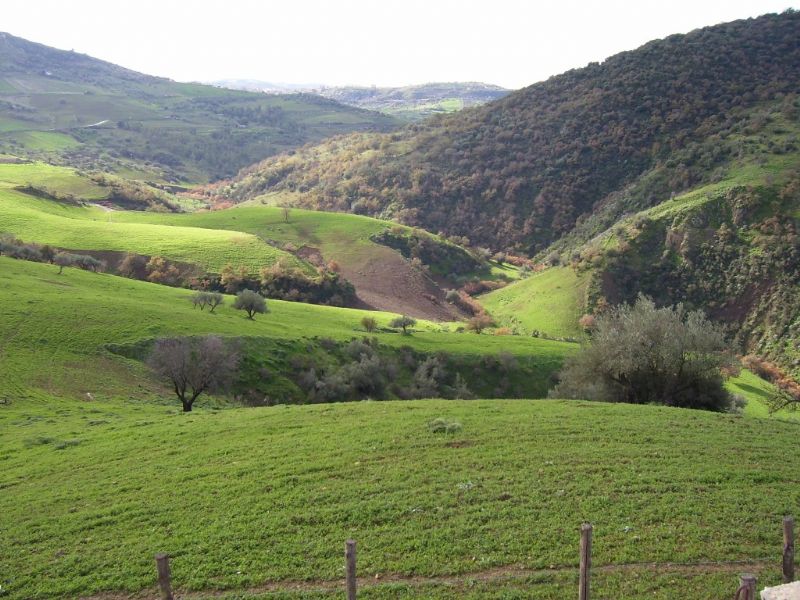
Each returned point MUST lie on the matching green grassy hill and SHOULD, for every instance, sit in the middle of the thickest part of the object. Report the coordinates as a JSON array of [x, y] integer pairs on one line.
[[383, 276], [91, 228], [100, 470], [57, 331], [252, 236], [549, 302], [85, 112], [258, 502]]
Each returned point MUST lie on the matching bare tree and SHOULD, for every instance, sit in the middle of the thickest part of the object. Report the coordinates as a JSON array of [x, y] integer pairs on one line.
[[210, 299], [199, 299], [214, 300], [369, 323], [63, 259], [194, 365], [480, 322]]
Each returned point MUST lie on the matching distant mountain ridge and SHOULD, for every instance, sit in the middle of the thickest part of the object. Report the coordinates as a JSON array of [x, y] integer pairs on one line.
[[71, 108], [411, 102]]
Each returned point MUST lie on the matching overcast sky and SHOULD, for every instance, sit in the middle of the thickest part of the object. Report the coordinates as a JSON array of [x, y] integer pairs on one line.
[[380, 42]]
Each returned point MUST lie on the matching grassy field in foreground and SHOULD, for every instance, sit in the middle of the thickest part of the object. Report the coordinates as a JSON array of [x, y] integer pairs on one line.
[[244, 496], [53, 329], [549, 301]]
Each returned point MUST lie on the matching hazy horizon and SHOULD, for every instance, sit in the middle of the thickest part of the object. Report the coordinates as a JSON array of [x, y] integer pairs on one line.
[[510, 43]]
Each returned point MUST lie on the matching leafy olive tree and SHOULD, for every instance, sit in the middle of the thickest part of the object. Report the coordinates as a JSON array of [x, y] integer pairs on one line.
[[641, 354], [403, 322], [250, 302]]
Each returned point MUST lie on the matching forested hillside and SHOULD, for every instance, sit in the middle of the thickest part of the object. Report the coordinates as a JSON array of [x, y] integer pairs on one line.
[[523, 171], [73, 109], [671, 170]]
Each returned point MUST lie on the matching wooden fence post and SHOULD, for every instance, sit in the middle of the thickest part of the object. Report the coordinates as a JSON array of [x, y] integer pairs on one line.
[[164, 577], [788, 549], [747, 587], [586, 561], [350, 568]]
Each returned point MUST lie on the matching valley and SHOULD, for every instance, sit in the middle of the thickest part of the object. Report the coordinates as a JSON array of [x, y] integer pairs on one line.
[[399, 284]]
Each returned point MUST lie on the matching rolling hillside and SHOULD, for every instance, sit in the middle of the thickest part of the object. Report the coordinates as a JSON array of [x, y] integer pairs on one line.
[[549, 303], [85, 112], [70, 210], [490, 511], [521, 172], [384, 279], [61, 353], [557, 169], [672, 170], [94, 449]]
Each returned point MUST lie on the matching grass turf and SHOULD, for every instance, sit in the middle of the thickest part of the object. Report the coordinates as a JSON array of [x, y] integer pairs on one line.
[[243, 496], [549, 301]]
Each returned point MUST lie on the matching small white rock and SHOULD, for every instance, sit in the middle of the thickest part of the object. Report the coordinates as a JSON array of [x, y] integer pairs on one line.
[[789, 591]]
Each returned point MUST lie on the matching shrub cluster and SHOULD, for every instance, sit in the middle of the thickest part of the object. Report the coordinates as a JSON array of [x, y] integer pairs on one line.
[[16, 248], [439, 256], [642, 354], [282, 282], [361, 369]]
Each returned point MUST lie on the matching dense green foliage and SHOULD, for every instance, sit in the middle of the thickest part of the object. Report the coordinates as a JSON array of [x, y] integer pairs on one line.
[[732, 250], [85, 112], [641, 354], [522, 171], [442, 258]]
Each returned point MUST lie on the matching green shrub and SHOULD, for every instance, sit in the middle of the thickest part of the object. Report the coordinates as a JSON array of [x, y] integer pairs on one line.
[[441, 425]]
